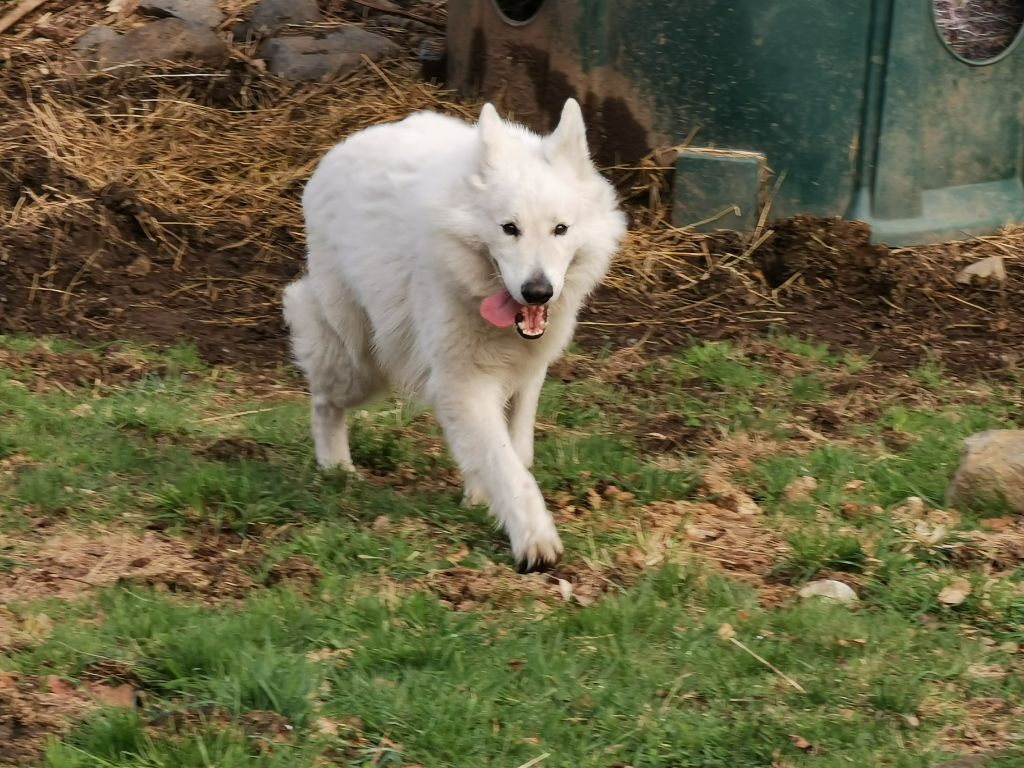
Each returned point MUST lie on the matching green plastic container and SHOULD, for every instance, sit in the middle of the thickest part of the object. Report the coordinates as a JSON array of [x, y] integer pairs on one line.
[[853, 108]]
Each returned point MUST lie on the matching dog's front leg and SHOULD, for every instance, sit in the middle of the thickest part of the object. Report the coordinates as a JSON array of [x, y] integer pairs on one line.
[[472, 416], [524, 414]]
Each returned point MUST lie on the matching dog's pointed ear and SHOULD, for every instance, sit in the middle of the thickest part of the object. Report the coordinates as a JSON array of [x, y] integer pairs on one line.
[[492, 136], [568, 142]]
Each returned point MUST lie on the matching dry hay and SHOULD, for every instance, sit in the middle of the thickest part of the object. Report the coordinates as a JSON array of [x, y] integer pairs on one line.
[[166, 203], [204, 148]]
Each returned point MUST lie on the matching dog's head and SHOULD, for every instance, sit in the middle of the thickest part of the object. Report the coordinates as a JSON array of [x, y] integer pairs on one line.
[[542, 216]]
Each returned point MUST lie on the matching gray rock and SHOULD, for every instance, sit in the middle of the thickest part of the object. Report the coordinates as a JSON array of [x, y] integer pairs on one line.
[[93, 38], [309, 58], [270, 16], [990, 270], [991, 470], [205, 13], [829, 589], [163, 40]]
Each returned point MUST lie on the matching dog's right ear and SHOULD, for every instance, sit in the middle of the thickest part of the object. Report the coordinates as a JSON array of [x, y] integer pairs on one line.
[[492, 137]]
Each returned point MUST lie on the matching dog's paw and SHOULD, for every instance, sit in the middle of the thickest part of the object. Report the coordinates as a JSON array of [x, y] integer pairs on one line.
[[537, 548], [338, 468], [474, 497]]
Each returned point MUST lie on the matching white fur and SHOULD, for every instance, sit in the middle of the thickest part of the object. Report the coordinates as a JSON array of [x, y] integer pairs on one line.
[[404, 226]]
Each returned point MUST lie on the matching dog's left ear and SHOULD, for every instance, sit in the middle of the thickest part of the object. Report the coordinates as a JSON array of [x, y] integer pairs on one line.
[[568, 142]]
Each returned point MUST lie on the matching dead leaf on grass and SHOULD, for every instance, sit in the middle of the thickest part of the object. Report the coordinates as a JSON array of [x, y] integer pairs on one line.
[[336, 655], [457, 557], [927, 534], [723, 492], [120, 696], [325, 726], [800, 489], [615, 494], [997, 523], [955, 593], [38, 626], [799, 741]]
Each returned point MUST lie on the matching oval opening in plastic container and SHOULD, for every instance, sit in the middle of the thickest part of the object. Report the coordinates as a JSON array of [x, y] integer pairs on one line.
[[519, 11], [979, 31]]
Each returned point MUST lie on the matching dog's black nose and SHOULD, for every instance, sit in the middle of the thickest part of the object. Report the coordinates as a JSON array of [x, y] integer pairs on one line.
[[537, 290]]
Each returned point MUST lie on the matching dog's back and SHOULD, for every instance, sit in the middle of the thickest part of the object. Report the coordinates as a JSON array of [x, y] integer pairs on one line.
[[371, 210]]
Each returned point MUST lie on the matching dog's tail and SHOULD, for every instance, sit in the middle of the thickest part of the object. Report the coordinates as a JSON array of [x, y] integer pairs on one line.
[[302, 315]]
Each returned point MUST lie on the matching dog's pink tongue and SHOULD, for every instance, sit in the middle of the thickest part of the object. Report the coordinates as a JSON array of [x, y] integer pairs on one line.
[[499, 309]]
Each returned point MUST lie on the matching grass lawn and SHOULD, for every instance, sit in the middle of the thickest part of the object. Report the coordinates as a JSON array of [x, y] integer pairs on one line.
[[180, 586]]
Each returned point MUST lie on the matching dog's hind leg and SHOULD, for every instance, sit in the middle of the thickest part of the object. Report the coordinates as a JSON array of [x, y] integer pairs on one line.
[[338, 367]]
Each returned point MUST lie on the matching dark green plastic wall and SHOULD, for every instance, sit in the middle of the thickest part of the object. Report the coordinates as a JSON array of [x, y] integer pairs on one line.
[[852, 108]]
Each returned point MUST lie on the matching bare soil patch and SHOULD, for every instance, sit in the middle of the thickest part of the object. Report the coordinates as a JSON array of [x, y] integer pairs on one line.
[[68, 564], [731, 537], [32, 712], [49, 370]]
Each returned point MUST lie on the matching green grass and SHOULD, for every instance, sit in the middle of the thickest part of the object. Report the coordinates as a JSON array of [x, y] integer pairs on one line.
[[366, 666]]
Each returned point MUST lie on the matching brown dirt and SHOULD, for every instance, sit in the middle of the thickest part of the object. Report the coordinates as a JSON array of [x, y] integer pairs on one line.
[[120, 228], [233, 449], [74, 277], [822, 280], [297, 572], [729, 534], [998, 546], [983, 726], [48, 370], [727, 531], [31, 712], [500, 587], [68, 564], [673, 432]]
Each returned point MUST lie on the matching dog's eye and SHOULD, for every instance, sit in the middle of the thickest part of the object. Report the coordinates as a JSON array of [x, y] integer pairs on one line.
[[510, 229], [561, 229]]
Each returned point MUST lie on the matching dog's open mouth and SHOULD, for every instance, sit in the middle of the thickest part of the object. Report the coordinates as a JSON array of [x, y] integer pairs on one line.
[[531, 321], [501, 310]]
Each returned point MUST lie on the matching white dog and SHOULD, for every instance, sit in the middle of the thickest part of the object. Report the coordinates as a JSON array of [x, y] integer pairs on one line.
[[429, 241]]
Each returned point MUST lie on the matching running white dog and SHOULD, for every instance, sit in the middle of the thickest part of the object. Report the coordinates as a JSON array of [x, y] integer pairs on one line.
[[429, 241]]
